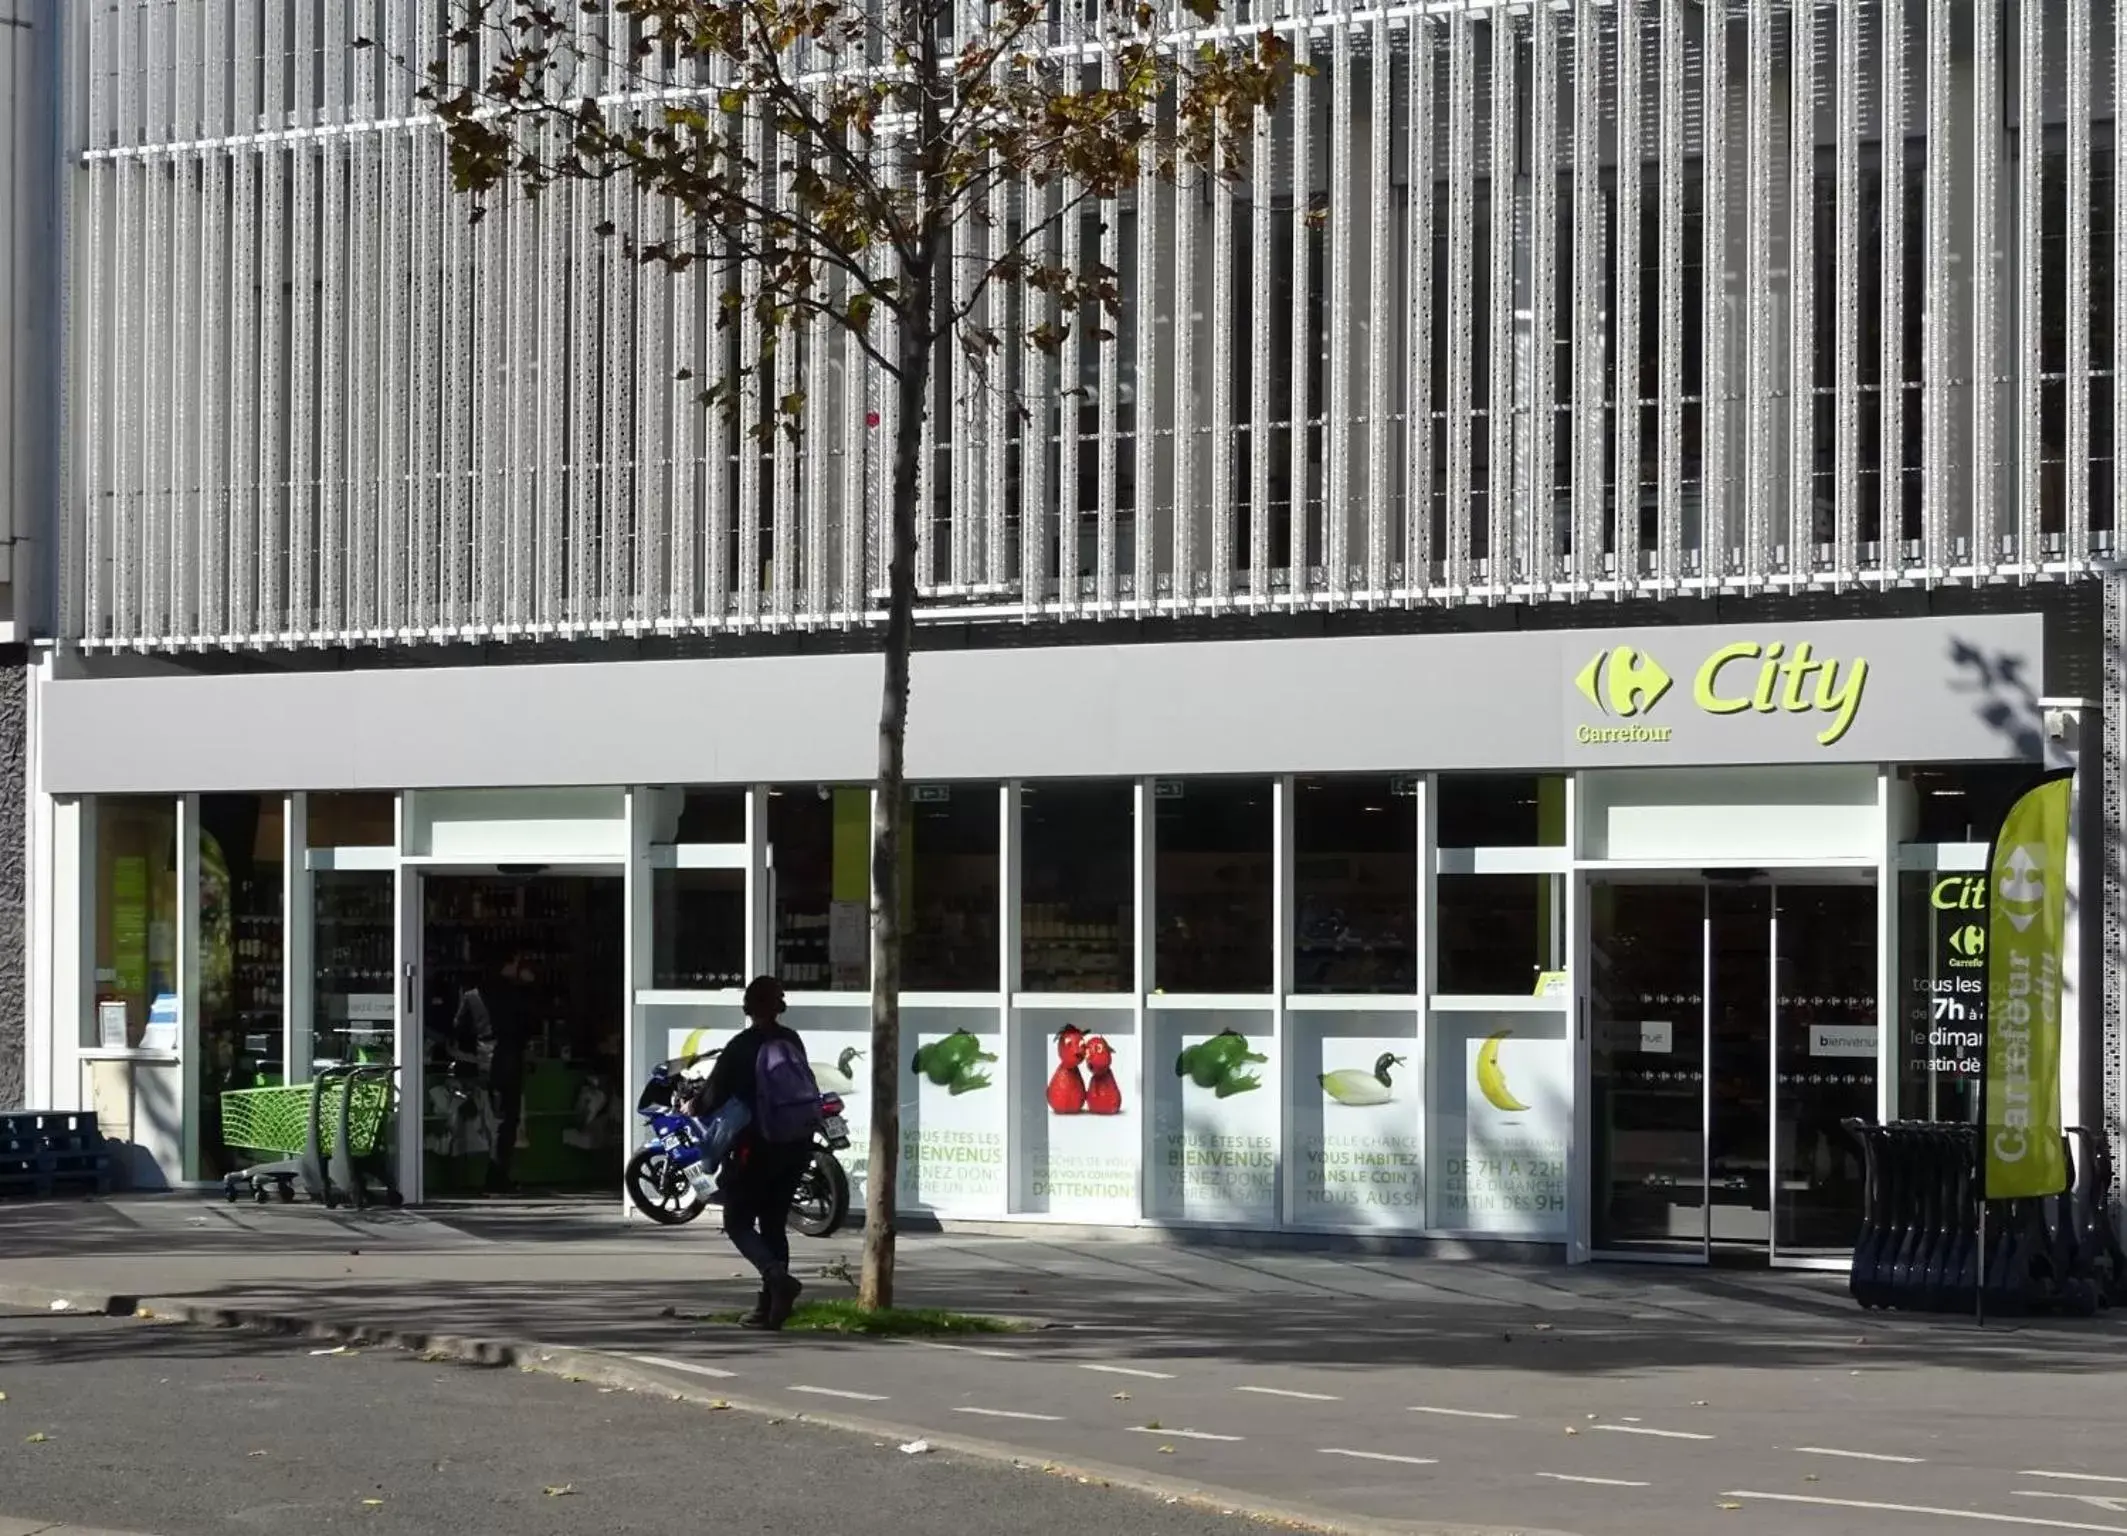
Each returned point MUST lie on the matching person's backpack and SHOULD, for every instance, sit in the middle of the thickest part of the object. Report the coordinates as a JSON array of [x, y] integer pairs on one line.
[[786, 1098]]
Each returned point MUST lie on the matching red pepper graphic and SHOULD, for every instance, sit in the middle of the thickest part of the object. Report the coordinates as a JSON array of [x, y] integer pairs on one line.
[[1067, 1090], [1104, 1096]]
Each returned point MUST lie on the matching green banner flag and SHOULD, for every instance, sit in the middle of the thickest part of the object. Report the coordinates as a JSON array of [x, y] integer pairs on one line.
[[2027, 922]]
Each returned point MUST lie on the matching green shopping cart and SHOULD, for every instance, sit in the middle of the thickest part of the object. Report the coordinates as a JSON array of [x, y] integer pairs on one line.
[[330, 1133]]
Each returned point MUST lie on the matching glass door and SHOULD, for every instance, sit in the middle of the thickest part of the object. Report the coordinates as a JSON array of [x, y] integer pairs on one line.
[[1824, 1063], [1647, 1038], [1739, 1089]]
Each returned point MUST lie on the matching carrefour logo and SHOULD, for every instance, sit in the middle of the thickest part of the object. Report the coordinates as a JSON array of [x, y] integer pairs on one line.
[[1625, 683]]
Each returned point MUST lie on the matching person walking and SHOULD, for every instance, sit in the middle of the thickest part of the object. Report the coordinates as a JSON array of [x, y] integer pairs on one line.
[[496, 1016], [766, 1069]]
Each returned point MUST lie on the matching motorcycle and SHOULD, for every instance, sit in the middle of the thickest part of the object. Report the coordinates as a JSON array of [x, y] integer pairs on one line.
[[668, 1178]]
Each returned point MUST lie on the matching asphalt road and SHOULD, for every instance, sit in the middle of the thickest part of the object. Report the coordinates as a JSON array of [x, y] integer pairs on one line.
[[191, 1432]]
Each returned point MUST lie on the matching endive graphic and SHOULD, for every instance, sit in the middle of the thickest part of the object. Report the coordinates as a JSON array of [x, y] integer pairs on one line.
[[1491, 1082], [1350, 1085]]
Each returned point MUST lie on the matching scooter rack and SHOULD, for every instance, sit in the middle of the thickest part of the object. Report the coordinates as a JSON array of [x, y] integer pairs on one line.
[[1919, 1245]]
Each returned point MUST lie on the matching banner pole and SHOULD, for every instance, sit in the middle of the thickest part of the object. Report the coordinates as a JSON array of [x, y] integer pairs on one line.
[[1979, 1292]]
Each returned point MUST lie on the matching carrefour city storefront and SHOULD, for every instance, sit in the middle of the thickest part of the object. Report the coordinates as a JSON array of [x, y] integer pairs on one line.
[[1580, 938]]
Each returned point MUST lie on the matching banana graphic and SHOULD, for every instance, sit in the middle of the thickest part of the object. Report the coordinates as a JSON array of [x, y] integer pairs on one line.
[[1491, 1082], [692, 1045]]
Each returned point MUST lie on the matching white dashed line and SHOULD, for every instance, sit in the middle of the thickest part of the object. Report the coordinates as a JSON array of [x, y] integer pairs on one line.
[[1827, 1450], [1006, 1413], [855, 1397], [1126, 1370], [1928, 1509], [1641, 1429], [1305, 1397], [2073, 1477], [1599, 1482], [961, 1349], [1182, 1434], [683, 1365], [1407, 1461], [1464, 1413]]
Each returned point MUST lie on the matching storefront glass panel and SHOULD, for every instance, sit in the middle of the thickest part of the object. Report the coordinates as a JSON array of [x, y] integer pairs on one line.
[[819, 839], [1355, 885], [353, 1004], [136, 900], [1078, 887], [1358, 1104], [1213, 1089], [1078, 1117], [953, 1104], [1500, 810], [1499, 935], [351, 820], [1824, 1069], [698, 929], [1211, 893], [1942, 945], [1501, 1122], [241, 931], [949, 874]]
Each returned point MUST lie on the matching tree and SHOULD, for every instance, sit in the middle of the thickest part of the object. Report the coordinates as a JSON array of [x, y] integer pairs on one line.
[[819, 156]]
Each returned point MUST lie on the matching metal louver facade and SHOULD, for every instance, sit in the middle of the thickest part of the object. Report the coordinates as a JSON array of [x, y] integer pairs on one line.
[[1518, 303]]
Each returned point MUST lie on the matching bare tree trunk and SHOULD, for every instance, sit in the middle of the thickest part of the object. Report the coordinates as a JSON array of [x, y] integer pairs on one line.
[[889, 813]]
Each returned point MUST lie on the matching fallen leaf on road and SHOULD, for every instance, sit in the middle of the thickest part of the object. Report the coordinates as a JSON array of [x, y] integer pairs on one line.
[[1809, 1477], [60, 1306], [1543, 1327], [561, 1491], [372, 1503], [1122, 1397], [720, 1403], [1166, 1450], [1727, 1504], [1155, 1424], [38, 1438], [254, 1453], [3, 1397], [1571, 1430], [337, 1349], [916, 1448], [142, 1312], [1698, 1402]]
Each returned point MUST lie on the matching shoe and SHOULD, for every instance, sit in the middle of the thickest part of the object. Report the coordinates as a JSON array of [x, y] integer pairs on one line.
[[783, 1291], [758, 1317]]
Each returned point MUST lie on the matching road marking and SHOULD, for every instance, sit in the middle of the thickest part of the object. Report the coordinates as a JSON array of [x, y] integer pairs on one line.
[[2110, 1503], [1182, 1434], [1641, 1429], [1126, 1370], [962, 1349], [1826, 1450], [1463, 1413], [1305, 1397], [2073, 1477], [855, 1397], [683, 1365], [1408, 1461], [1006, 1413], [1926, 1509], [1600, 1482]]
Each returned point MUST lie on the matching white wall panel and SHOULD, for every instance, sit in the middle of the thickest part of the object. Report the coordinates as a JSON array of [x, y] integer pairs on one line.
[[1582, 238]]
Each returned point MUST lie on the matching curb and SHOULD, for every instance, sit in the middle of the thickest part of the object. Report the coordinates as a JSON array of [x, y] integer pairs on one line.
[[9, 1526], [626, 1375]]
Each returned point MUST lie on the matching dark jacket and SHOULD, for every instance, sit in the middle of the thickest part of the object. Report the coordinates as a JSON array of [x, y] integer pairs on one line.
[[500, 1018]]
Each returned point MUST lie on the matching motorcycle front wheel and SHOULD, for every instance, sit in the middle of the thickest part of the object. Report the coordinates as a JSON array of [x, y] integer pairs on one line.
[[661, 1191], [822, 1201]]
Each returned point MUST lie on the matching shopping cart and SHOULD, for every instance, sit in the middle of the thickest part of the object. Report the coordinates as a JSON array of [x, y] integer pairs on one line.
[[330, 1133]]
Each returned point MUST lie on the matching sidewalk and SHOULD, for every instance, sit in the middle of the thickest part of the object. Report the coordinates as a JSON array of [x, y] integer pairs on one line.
[[1361, 1389]]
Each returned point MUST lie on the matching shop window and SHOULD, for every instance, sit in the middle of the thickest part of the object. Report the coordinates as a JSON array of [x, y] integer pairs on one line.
[[1212, 885], [1500, 810], [949, 889], [351, 821], [241, 906], [353, 999], [698, 929], [1078, 889], [1355, 885], [1500, 935], [136, 921], [1962, 803], [1942, 993], [712, 816], [819, 845]]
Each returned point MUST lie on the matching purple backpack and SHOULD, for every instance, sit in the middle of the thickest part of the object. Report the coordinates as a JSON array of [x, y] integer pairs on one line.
[[786, 1099]]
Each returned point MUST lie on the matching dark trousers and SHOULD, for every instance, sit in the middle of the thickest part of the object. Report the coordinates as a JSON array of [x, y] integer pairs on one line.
[[506, 1081], [757, 1196]]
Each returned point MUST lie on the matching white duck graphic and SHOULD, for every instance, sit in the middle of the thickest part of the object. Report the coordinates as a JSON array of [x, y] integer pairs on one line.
[[838, 1078]]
